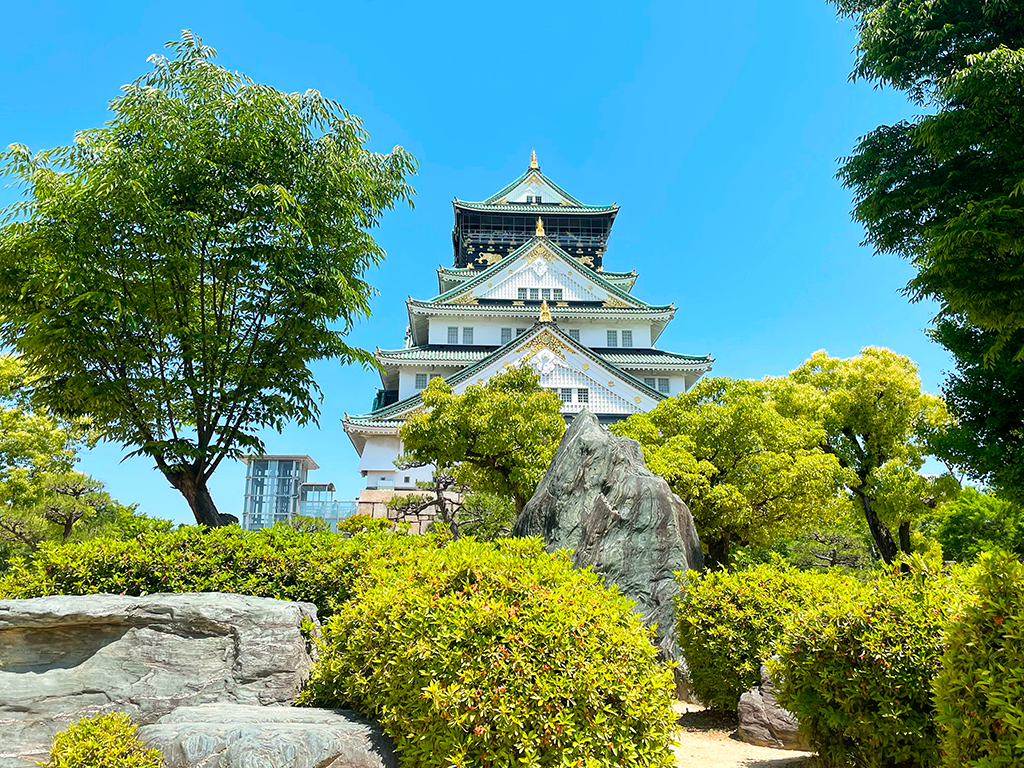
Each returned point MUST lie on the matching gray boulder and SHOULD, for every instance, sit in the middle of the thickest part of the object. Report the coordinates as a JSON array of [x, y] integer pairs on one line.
[[598, 499], [240, 736], [764, 722], [67, 657]]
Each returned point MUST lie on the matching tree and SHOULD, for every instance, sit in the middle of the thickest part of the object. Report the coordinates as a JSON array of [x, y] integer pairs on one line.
[[986, 438], [69, 498], [497, 437], [173, 274], [976, 522], [944, 190], [745, 456], [877, 422]]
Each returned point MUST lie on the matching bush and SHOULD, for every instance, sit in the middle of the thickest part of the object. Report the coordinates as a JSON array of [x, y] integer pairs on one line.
[[858, 670], [275, 562], [980, 690], [496, 655], [729, 623], [364, 524], [104, 741]]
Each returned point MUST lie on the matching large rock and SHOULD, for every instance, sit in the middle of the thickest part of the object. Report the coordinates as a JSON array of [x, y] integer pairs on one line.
[[66, 657], [239, 736], [598, 499], [764, 722]]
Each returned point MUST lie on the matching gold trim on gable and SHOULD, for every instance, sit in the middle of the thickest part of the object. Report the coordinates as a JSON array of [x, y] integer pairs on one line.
[[613, 301], [545, 340]]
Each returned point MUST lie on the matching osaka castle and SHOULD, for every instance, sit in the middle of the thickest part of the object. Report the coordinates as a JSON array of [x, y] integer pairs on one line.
[[528, 286]]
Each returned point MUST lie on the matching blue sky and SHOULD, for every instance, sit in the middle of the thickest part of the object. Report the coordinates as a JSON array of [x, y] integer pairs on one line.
[[716, 129]]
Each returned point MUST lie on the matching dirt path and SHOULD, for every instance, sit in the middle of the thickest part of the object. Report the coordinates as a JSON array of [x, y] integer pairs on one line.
[[706, 740]]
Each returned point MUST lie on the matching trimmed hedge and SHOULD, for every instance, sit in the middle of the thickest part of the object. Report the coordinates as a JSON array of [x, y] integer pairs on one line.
[[496, 655], [979, 694], [276, 562], [103, 741], [858, 670], [729, 622]]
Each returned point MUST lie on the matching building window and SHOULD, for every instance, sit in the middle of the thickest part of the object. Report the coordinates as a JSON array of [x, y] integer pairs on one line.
[[453, 335], [506, 335], [558, 294], [565, 394], [613, 338], [421, 380], [574, 334], [582, 395], [627, 338], [467, 335], [536, 199], [534, 294], [663, 386], [407, 479], [522, 294], [651, 382], [520, 332], [545, 293]]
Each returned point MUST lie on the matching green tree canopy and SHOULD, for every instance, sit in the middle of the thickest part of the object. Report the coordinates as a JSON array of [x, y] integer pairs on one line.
[[944, 190], [173, 274], [877, 423], [745, 456], [986, 399], [497, 437], [976, 522]]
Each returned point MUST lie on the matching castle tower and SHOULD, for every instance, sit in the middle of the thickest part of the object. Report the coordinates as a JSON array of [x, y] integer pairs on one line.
[[528, 285]]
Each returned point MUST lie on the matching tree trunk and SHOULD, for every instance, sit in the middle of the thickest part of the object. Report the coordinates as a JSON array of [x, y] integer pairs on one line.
[[718, 553], [883, 538], [197, 495], [905, 537], [68, 523]]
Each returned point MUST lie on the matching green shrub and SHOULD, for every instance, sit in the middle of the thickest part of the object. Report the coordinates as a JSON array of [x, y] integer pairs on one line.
[[364, 524], [104, 741], [858, 670], [979, 694], [495, 655], [729, 623], [276, 562]]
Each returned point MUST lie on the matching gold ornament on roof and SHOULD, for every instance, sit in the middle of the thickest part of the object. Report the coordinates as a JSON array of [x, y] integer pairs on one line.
[[540, 227], [533, 159], [545, 313]]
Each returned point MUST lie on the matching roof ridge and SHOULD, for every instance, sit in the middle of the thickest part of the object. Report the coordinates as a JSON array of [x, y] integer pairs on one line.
[[591, 274], [532, 171]]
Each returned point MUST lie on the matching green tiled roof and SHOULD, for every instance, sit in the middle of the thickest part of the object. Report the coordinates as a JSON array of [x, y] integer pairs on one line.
[[441, 353], [651, 357], [584, 270], [500, 194], [384, 416], [540, 210]]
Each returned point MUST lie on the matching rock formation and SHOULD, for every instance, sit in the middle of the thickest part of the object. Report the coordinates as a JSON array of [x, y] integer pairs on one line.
[[599, 499], [764, 722], [239, 736], [67, 657]]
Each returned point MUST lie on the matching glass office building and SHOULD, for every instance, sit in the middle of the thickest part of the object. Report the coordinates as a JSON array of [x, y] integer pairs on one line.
[[277, 488]]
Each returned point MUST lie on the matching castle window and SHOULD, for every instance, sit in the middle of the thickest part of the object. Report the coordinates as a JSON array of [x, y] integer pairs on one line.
[[506, 335], [453, 334], [651, 382], [627, 338], [522, 294], [545, 293], [613, 338], [558, 294], [582, 395], [566, 395], [534, 294], [574, 334], [520, 332], [467, 335], [663, 386], [421, 380]]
